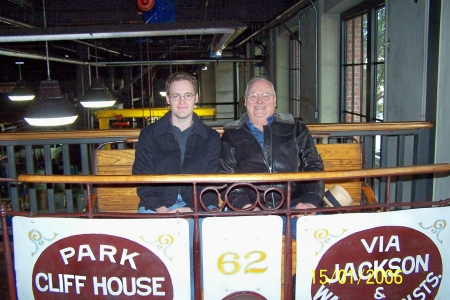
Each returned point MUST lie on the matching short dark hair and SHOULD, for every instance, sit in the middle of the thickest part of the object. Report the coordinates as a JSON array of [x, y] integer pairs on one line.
[[181, 76]]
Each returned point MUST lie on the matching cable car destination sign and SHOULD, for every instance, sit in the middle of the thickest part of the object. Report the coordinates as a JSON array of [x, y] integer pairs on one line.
[[397, 255], [391, 255], [59, 258]]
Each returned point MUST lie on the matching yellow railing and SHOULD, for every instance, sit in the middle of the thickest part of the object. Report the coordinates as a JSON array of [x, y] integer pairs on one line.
[[103, 116]]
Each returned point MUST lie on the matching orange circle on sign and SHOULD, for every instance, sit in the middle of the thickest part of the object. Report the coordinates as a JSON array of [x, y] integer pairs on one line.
[[145, 5]]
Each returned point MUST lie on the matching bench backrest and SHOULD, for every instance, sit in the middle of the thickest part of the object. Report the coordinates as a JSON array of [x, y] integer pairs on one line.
[[336, 157], [343, 157], [115, 198]]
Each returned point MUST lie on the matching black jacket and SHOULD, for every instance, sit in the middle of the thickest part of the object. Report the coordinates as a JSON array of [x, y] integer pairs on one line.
[[288, 147], [158, 152]]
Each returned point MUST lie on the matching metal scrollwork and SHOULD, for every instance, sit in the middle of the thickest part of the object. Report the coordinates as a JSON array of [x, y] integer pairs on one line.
[[260, 197]]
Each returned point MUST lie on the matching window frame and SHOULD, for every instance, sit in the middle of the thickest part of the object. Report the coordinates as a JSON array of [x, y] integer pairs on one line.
[[368, 85]]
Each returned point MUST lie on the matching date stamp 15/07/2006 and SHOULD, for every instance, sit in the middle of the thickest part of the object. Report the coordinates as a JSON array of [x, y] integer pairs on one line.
[[378, 276]]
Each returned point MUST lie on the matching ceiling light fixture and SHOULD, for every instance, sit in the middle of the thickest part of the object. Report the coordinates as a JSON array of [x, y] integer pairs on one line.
[[98, 95], [21, 92], [50, 108]]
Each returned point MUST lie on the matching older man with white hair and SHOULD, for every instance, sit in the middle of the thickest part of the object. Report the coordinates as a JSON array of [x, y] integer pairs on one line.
[[266, 141]]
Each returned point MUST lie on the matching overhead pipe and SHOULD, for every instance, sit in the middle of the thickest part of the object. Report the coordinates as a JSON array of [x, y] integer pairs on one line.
[[103, 48], [225, 28], [221, 44], [14, 53], [22, 3], [25, 25], [15, 23], [237, 33], [57, 34], [179, 62], [33, 34], [288, 14], [37, 34]]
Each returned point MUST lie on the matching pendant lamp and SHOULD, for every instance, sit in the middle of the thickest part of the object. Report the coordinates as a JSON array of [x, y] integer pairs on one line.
[[50, 108], [21, 92], [98, 95]]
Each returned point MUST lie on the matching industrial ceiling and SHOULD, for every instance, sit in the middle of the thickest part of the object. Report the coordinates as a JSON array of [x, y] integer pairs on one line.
[[123, 32], [108, 33]]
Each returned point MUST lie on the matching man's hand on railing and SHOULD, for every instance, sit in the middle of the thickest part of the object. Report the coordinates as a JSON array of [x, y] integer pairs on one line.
[[180, 209], [165, 210], [162, 210], [249, 205], [304, 206]]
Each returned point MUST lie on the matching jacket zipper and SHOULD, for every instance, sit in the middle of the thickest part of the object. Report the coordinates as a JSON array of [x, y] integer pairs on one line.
[[262, 150], [271, 160]]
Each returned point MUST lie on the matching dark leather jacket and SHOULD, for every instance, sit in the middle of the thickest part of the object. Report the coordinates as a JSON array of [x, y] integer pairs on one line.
[[288, 147], [158, 152]]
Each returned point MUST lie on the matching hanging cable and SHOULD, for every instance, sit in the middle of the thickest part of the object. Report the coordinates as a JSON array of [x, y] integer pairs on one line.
[[142, 84], [46, 42], [96, 62]]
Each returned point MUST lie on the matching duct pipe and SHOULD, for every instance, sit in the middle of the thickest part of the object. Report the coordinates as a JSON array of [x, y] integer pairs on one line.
[[121, 31], [289, 13], [221, 44], [179, 62], [7, 52], [227, 28], [56, 35], [24, 25], [15, 23]]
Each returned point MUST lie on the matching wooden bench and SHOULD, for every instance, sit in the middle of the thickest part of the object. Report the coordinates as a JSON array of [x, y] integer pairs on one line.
[[336, 157]]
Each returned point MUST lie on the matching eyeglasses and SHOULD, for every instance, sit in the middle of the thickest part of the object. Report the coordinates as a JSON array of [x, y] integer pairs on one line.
[[177, 97], [263, 96]]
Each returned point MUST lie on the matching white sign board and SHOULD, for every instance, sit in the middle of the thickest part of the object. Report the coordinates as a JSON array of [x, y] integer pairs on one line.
[[400, 255], [242, 254], [63, 258]]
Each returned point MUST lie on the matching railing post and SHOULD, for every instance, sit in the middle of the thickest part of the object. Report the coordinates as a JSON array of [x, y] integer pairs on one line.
[[422, 186], [8, 256], [66, 171], [288, 247], [85, 169], [48, 165], [31, 170], [196, 248], [401, 149], [388, 192], [383, 163], [13, 189]]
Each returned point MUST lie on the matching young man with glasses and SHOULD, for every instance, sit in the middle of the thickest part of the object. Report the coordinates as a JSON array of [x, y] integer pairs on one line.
[[178, 143], [266, 141]]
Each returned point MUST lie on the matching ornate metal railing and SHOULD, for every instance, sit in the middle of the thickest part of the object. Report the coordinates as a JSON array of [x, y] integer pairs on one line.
[[224, 182]]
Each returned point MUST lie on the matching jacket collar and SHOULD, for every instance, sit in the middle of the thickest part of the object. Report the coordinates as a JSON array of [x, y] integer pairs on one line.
[[278, 117], [163, 125]]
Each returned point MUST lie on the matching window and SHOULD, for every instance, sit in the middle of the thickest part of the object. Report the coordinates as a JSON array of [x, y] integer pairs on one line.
[[363, 54], [294, 77]]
